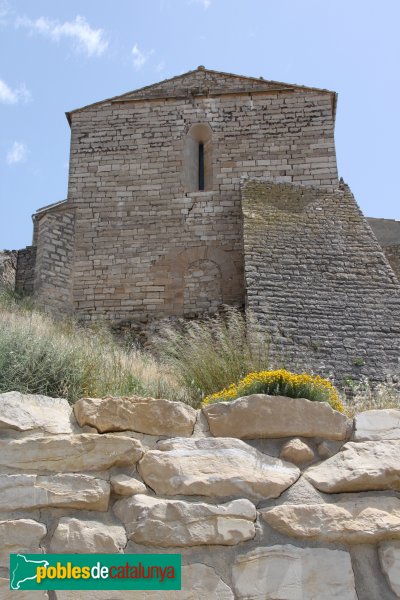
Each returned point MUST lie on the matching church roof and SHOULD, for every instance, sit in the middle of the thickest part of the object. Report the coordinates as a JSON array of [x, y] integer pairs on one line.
[[208, 83]]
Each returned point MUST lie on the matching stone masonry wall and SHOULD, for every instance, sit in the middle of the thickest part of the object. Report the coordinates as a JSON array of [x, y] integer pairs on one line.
[[25, 272], [54, 259], [387, 232], [8, 262], [318, 281], [265, 497], [392, 253], [141, 238]]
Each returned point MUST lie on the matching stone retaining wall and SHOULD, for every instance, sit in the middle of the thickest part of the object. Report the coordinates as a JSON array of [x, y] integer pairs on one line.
[[318, 281], [265, 497]]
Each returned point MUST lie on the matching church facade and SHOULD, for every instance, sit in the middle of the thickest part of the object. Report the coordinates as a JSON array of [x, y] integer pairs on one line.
[[208, 189]]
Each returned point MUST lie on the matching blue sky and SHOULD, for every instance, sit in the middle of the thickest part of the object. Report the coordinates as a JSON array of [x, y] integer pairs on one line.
[[57, 56]]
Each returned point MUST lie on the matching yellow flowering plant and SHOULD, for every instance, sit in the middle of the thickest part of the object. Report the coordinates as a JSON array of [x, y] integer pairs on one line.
[[280, 383]]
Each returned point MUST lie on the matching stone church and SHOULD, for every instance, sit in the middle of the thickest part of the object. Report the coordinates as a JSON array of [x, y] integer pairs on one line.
[[212, 188]]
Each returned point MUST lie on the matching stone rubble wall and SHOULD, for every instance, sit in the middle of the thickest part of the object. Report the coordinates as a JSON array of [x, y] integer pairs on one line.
[[8, 264], [265, 497], [392, 253], [387, 232], [25, 270], [318, 281]]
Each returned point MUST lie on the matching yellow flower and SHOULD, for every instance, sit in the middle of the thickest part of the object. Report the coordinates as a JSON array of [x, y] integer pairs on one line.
[[283, 383]]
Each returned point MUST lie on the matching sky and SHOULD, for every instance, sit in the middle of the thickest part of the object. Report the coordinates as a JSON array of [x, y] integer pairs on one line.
[[58, 56]]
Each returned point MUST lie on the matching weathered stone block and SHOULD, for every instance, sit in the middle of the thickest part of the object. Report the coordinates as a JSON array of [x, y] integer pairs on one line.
[[215, 467], [294, 574], [25, 412], [262, 416], [158, 522], [67, 491], [358, 521], [145, 415], [62, 453], [359, 467], [78, 536]]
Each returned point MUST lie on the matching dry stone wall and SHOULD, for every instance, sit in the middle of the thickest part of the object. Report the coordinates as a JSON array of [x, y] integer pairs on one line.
[[309, 508], [318, 281]]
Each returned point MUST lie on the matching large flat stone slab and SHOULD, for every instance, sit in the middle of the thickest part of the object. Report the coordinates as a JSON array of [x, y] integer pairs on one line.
[[359, 467], [389, 557], [159, 522], [377, 425], [263, 416], [290, 573], [70, 453], [146, 415], [20, 536], [215, 467], [199, 582], [79, 536], [26, 412], [40, 491], [359, 521]]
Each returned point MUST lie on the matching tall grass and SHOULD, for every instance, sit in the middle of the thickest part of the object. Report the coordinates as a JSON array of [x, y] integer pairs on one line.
[[210, 354], [61, 359], [361, 396], [39, 355]]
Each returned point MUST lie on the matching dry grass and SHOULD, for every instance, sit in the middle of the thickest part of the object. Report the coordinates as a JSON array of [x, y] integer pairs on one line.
[[211, 354], [61, 359], [363, 397]]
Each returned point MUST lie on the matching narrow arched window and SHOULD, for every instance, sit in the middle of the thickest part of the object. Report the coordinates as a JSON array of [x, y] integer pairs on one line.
[[201, 167], [197, 175]]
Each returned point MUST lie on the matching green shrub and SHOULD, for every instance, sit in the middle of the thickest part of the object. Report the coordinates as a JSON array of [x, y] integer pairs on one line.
[[281, 383]]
